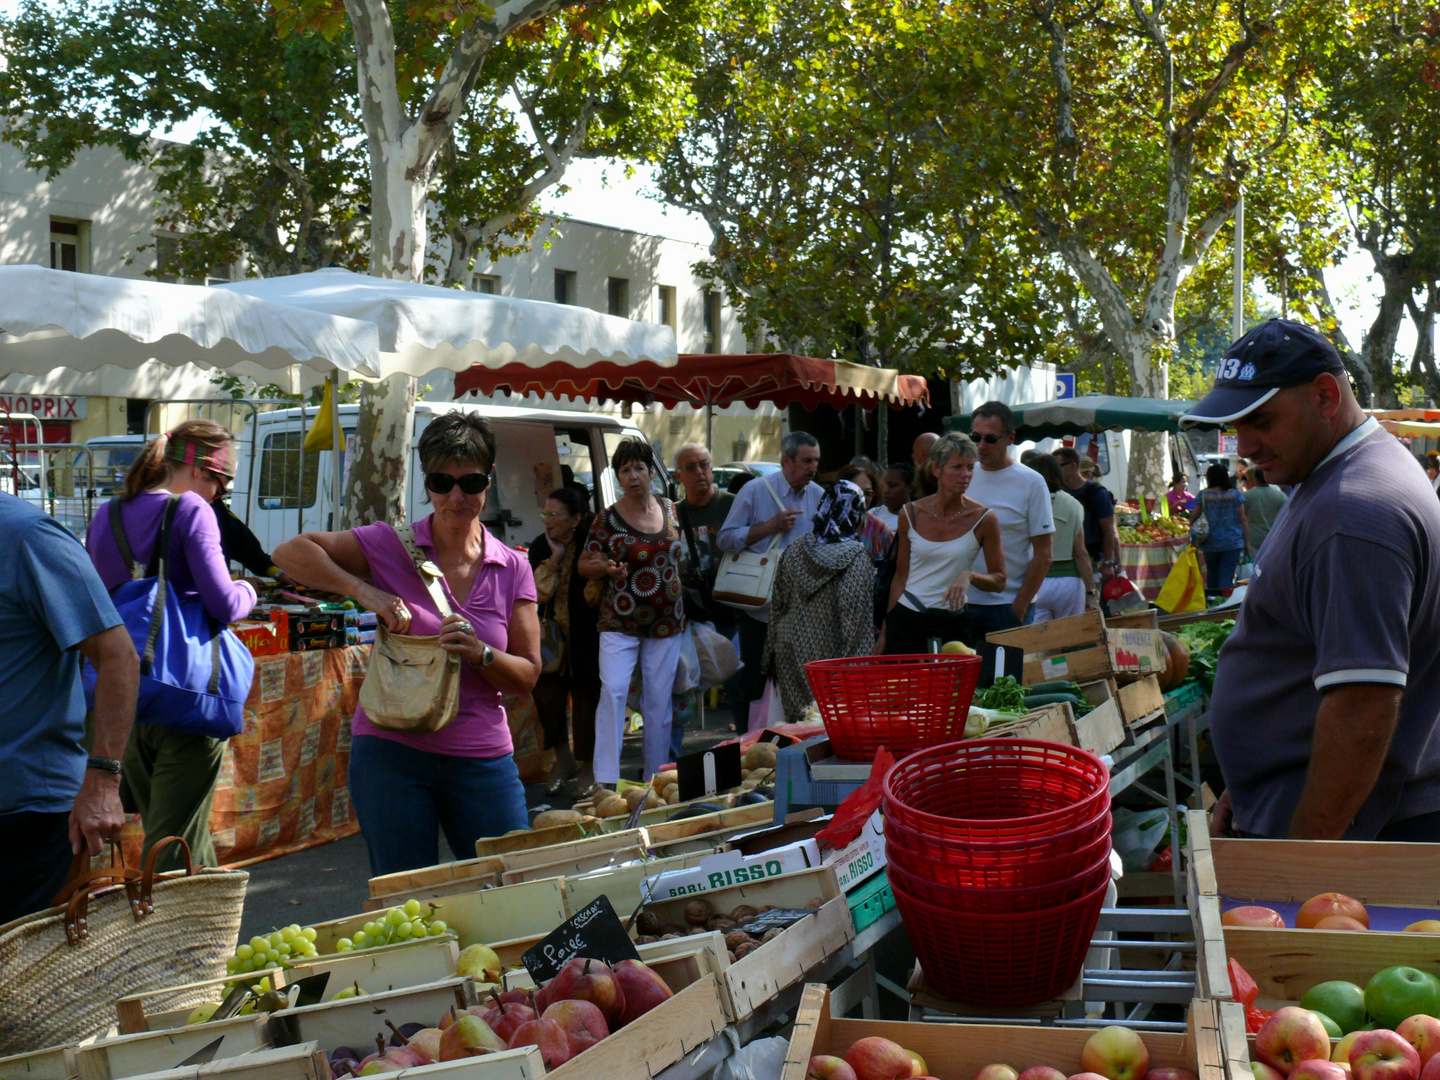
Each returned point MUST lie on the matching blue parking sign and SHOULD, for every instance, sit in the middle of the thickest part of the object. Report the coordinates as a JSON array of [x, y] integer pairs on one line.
[[1064, 386]]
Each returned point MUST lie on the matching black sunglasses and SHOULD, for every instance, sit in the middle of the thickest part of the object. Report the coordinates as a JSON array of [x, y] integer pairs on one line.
[[443, 483], [991, 439]]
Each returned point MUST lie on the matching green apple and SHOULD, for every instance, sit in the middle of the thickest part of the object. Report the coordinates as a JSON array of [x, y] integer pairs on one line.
[[1397, 993], [1342, 1002], [1331, 1027]]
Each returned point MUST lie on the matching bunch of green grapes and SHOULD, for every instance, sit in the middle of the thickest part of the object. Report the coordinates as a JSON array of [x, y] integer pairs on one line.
[[279, 948], [406, 923]]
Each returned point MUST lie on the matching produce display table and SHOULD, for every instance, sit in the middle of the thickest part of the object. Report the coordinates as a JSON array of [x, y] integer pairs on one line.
[[282, 785], [1148, 565], [1129, 764]]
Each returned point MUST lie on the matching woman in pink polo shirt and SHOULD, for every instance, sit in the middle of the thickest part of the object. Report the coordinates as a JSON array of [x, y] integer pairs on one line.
[[462, 779]]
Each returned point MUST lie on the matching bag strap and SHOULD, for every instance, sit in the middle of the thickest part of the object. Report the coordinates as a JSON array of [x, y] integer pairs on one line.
[[429, 573], [122, 541], [684, 512], [157, 609], [776, 495]]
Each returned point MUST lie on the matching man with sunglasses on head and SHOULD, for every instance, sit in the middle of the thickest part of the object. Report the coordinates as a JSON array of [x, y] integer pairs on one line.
[[1020, 500], [1326, 705]]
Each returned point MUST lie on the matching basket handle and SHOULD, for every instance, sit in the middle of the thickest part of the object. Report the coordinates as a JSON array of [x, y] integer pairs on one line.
[[84, 880], [147, 883]]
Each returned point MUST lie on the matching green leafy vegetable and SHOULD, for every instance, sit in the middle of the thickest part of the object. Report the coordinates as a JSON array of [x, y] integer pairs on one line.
[[1005, 694]]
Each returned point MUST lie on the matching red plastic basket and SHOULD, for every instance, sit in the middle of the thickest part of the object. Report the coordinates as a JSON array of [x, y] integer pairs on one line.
[[990, 900], [948, 865], [983, 791], [1001, 960], [902, 703]]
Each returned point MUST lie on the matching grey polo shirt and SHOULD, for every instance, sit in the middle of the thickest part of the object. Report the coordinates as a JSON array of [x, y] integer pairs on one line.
[[1346, 590]]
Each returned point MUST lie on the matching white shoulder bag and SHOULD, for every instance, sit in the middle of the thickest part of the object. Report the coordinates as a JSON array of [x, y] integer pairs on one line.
[[746, 577]]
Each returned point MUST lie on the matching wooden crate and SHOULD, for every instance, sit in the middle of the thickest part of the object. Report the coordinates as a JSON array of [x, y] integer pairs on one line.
[[1140, 700], [304, 1062], [356, 1021], [52, 1063], [1287, 962], [483, 917], [570, 850], [958, 1051], [1078, 648], [467, 875], [1102, 729], [576, 865], [525, 839], [157, 1051], [622, 884], [1052, 723], [755, 979], [727, 821]]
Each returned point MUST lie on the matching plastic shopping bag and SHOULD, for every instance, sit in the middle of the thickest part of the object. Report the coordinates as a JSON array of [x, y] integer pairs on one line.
[[687, 669], [769, 710], [1184, 588], [718, 659]]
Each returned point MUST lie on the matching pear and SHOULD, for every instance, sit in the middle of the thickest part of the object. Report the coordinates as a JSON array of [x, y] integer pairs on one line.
[[201, 1013], [480, 962], [468, 1036]]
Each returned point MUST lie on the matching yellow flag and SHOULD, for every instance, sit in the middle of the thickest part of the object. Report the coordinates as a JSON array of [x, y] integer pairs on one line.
[[1164, 508], [322, 432]]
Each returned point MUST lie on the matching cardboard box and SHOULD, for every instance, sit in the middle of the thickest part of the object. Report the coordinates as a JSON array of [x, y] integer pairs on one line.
[[862, 858], [730, 868], [261, 638]]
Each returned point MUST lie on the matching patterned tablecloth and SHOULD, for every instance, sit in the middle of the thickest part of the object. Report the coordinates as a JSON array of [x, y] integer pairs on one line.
[[1148, 565], [283, 785]]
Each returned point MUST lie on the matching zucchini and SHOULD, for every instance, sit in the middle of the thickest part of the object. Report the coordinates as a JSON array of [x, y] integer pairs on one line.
[[1060, 686], [1033, 701]]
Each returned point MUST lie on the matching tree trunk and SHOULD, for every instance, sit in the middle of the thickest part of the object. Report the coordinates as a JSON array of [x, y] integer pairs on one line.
[[1149, 451]]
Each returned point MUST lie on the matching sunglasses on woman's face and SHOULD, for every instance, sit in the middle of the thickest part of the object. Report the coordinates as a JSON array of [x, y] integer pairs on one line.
[[443, 483]]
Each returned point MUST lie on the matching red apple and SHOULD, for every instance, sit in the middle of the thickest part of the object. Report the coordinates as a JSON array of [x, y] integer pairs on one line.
[[875, 1058], [582, 1021], [1431, 1071], [1169, 1072], [641, 987], [1339, 922], [1116, 1053], [518, 997], [1042, 1072], [1265, 1072], [505, 1017], [1327, 904], [1317, 1069], [1423, 1033], [1289, 1037], [586, 980], [1383, 1055], [829, 1067], [997, 1072], [1252, 915], [549, 1036], [1085, 1076]]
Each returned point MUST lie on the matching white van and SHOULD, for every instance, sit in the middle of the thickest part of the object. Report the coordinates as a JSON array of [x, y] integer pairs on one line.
[[282, 491]]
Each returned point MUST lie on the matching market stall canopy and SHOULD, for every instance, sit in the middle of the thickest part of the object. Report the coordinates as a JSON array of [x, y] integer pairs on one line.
[[424, 328], [709, 380], [1092, 414], [83, 322], [1413, 428]]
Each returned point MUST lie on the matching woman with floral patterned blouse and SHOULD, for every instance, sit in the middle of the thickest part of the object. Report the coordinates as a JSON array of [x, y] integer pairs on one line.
[[635, 547]]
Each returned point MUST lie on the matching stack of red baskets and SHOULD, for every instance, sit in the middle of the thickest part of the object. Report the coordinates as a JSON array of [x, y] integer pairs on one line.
[[998, 853]]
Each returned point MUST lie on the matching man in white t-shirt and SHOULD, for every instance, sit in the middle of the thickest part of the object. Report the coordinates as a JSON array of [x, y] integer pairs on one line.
[[1021, 502]]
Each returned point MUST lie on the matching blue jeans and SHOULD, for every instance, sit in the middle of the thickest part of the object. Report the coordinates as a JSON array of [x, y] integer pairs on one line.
[[1220, 567], [988, 618], [403, 797]]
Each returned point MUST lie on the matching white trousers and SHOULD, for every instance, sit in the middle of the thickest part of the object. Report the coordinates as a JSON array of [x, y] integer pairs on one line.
[[658, 659], [1058, 598]]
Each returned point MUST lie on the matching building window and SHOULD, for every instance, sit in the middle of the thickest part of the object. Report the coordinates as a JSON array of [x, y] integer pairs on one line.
[[135, 409], [281, 486], [565, 286], [489, 284], [665, 305], [618, 297], [69, 245], [712, 321]]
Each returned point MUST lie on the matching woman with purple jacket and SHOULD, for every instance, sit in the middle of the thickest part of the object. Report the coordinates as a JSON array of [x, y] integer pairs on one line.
[[169, 775]]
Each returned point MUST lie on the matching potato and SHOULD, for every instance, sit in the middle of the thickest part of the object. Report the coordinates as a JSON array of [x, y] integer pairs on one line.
[[548, 818], [747, 785], [614, 806], [743, 914], [646, 939], [668, 937], [672, 799], [770, 935], [661, 780], [633, 795], [672, 930], [761, 755], [731, 955], [698, 912], [652, 800], [697, 930]]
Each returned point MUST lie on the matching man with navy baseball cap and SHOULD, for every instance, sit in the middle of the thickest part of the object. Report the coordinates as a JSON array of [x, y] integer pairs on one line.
[[1327, 695]]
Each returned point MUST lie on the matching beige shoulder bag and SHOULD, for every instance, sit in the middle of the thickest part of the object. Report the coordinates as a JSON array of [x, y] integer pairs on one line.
[[412, 684], [745, 578]]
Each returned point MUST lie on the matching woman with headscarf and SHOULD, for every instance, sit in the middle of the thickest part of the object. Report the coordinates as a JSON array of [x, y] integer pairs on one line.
[[822, 606]]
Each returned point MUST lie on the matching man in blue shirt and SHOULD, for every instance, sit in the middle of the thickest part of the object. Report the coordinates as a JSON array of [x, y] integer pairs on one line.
[[56, 800], [766, 508], [1326, 713]]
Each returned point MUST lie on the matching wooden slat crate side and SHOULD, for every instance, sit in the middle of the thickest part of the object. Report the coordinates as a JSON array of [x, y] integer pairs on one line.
[[1140, 699], [811, 1015], [156, 1051], [1053, 723], [52, 1063], [431, 892], [407, 882], [1234, 1042], [533, 838], [574, 866], [622, 884], [727, 821], [1078, 666], [304, 1062], [1292, 871], [1067, 633], [1286, 963], [141, 1012], [356, 1021], [572, 850]]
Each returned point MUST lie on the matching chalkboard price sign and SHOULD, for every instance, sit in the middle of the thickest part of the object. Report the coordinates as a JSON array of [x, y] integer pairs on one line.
[[775, 919], [594, 932]]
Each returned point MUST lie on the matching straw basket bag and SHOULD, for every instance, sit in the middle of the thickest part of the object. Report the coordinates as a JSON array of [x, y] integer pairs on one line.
[[116, 932]]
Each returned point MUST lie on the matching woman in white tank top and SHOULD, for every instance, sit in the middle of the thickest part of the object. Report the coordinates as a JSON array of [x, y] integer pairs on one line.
[[939, 538]]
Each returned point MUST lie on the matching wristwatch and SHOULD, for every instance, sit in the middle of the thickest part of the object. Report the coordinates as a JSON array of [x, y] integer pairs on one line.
[[487, 656], [104, 764]]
